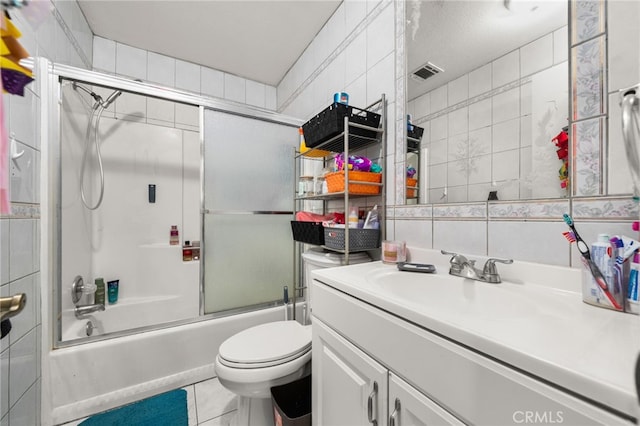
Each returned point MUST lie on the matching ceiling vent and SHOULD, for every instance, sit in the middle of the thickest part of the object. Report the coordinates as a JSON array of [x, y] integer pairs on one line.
[[426, 71]]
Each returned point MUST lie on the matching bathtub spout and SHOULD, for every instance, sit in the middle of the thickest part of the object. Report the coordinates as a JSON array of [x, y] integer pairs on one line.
[[82, 310]]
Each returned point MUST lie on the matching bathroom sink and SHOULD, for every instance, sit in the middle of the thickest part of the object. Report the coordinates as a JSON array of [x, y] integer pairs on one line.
[[444, 293]]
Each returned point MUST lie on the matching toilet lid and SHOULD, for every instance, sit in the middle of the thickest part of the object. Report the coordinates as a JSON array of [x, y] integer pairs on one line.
[[266, 345]]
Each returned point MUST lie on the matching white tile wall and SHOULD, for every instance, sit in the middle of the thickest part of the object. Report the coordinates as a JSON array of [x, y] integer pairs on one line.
[[480, 114], [536, 55], [4, 383], [463, 237], [212, 82], [187, 76], [505, 69], [378, 81], [458, 90], [439, 99], [22, 366], [624, 67], [418, 233], [480, 80], [506, 105], [23, 413], [234, 88], [22, 241], [440, 127], [113, 57], [379, 43], [356, 58], [161, 69], [506, 135], [256, 94], [540, 242], [458, 122], [131, 61], [23, 112], [560, 45]]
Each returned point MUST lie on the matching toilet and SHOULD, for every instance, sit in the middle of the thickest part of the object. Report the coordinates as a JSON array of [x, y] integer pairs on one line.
[[254, 360]]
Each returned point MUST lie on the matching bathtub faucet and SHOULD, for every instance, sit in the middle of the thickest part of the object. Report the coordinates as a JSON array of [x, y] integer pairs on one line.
[[82, 310]]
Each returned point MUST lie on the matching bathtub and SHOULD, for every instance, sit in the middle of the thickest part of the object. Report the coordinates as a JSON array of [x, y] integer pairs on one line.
[[97, 376], [129, 313]]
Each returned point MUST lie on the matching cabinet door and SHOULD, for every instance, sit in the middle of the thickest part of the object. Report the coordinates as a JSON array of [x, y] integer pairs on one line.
[[409, 407], [349, 387]]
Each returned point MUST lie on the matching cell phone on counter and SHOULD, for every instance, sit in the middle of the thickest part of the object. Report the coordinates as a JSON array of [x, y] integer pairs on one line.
[[416, 267]]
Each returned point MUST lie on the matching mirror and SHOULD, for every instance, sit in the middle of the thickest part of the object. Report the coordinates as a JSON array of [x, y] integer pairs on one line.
[[487, 86]]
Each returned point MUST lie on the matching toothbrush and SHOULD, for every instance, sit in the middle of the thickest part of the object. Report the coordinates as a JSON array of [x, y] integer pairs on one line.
[[583, 248]]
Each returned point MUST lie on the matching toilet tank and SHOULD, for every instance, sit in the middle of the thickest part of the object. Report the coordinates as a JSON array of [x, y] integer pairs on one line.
[[318, 258]]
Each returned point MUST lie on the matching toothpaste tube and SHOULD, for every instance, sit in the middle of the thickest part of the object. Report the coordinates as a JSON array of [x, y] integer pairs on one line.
[[632, 304], [630, 246]]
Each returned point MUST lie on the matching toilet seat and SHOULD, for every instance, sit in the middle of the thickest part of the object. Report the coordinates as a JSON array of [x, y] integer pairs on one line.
[[266, 345]]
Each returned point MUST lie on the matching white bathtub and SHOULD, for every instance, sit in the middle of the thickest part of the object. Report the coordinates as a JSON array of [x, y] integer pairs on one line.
[[128, 313], [93, 377]]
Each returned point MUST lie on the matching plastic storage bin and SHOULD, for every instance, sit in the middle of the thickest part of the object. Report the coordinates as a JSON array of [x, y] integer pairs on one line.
[[308, 232], [335, 182], [292, 403], [330, 123], [359, 239]]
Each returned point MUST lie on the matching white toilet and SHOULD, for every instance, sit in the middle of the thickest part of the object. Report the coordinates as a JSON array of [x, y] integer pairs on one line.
[[254, 360]]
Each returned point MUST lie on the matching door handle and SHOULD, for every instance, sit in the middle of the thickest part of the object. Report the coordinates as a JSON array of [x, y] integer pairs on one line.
[[9, 307], [12, 306]]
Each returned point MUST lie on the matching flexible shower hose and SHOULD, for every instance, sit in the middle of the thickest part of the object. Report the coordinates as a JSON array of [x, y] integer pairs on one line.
[[96, 139]]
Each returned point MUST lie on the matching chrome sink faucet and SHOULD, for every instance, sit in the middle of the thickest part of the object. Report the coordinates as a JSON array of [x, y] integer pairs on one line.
[[463, 267]]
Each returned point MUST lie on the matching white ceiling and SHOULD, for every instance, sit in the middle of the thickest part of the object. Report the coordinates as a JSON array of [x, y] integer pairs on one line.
[[460, 36], [255, 39]]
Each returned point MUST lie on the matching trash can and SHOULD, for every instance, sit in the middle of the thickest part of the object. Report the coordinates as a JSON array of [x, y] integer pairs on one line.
[[292, 403]]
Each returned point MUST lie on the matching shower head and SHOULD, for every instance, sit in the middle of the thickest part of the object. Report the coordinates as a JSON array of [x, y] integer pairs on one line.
[[111, 98], [94, 95], [99, 101]]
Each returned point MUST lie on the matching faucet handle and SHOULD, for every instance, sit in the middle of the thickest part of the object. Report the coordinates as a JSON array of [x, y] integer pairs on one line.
[[490, 265], [457, 260]]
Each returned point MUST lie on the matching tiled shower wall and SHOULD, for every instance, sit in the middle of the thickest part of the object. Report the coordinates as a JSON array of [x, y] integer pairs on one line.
[[56, 30], [531, 231], [116, 58], [353, 53]]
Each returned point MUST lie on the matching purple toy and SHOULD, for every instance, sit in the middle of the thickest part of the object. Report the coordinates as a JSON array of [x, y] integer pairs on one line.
[[356, 162]]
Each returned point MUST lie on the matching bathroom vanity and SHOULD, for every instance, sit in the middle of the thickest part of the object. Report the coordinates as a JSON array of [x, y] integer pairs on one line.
[[392, 347]]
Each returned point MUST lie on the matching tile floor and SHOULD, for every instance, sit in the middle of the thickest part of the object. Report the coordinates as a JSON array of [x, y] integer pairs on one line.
[[208, 402]]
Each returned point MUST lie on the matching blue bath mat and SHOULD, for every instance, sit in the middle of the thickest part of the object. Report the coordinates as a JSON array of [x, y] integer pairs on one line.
[[167, 409]]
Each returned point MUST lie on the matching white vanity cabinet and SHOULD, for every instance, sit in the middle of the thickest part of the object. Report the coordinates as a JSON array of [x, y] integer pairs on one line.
[[409, 406], [436, 380], [351, 388]]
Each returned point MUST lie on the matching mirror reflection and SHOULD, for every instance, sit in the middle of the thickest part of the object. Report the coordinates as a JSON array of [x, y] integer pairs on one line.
[[488, 85]]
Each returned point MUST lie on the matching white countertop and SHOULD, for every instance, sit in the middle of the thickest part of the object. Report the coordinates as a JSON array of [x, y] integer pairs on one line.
[[543, 328]]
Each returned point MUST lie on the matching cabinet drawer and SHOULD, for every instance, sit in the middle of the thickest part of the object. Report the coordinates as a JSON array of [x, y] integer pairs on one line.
[[475, 388]]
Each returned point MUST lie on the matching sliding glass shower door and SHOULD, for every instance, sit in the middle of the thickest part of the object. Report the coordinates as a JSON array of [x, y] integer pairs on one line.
[[248, 201]]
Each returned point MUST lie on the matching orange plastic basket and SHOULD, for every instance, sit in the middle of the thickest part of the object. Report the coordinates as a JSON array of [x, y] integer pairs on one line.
[[411, 182], [335, 182]]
